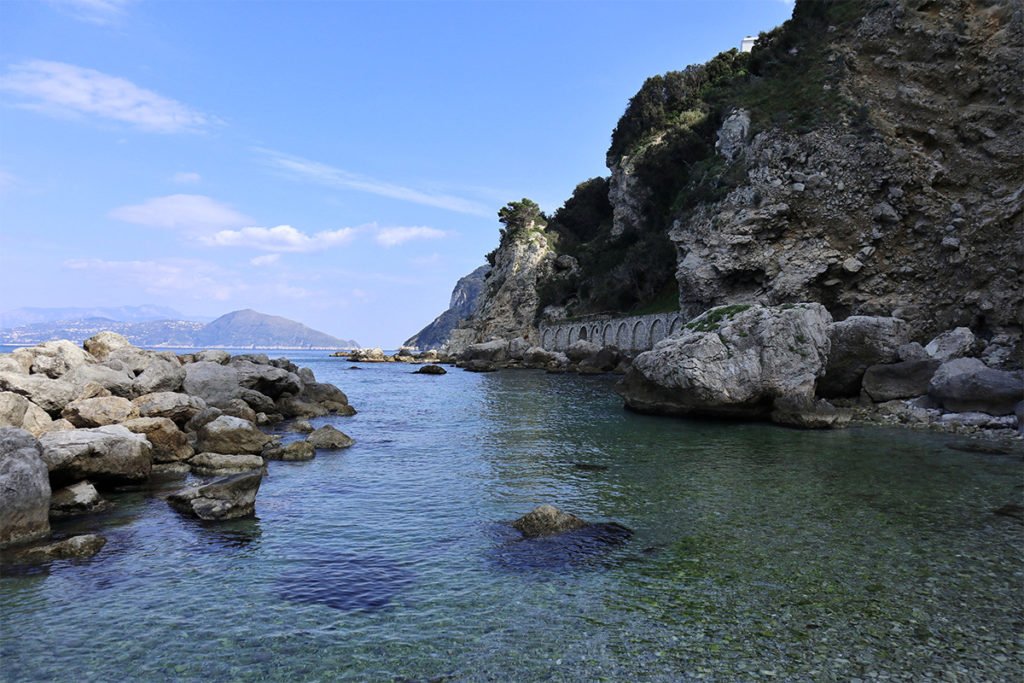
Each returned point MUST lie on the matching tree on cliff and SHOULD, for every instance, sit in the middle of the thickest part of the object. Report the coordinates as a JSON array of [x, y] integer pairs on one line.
[[518, 218]]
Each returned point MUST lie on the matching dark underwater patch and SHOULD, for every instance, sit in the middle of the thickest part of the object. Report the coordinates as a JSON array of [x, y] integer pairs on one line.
[[589, 545], [347, 582]]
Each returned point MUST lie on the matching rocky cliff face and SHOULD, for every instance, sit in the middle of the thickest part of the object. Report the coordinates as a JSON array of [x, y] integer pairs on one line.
[[866, 156], [463, 304]]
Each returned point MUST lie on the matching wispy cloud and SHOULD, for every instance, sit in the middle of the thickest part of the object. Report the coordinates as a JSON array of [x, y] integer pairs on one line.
[[186, 178], [186, 277], [63, 89], [323, 174], [282, 238], [193, 213], [391, 237], [265, 260], [100, 12]]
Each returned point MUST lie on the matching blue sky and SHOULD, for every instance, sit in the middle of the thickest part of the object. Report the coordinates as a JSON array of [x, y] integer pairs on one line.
[[338, 163]]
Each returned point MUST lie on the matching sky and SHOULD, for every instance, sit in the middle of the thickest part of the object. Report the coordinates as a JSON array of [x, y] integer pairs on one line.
[[337, 163]]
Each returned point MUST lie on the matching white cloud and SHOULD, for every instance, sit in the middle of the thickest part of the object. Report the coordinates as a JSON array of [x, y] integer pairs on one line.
[[390, 237], [93, 11], [65, 89], [180, 277], [186, 178], [282, 238], [265, 260], [335, 177], [190, 212]]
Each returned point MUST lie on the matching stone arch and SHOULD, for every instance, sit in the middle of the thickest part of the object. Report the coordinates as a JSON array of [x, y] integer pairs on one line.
[[639, 335], [609, 335], [584, 335], [572, 335], [657, 332], [677, 325], [545, 339], [622, 336], [560, 338]]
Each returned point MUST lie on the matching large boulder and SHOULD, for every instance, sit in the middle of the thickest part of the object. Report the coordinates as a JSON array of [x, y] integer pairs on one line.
[[431, 370], [327, 395], [213, 356], [965, 385], [49, 394], [174, 406], [807, 412], [102, 344], [228, 498], [953, 344], [109, 455], [55, 358], [220, 464], [96, 412], [732, 361], [329, 437], [857, 343], [375, 355], [547, 520], [293, 406], [231, 435], [77, 499], [18, 411], [266, 379], [159, 374], [115, 378], [212, 382], [493, 351], [538, 357], [899, 380], [169, 443], [294, 451], [605, 360], [25, 483], [581, 350]]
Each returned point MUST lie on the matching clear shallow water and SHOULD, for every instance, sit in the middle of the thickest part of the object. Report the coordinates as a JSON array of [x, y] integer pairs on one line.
[[758, 553]]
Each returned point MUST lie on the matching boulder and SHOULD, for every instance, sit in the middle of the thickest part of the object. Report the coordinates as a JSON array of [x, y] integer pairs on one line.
[[538, 357], [266, 379], [96, 412], [261, 403], [169, 443], [236, 407], [213, 356], [605, 360], [77, 499], [493, 351], [131, 358], [329, 437], [200, 419], [115, 378], [220, 464], [912, 351], [477, 365], [806, 412], [581, 350], [25, 483], [953, 344], [17, 362], [159, 374], [55, 358], [546, 520], [49, 394], [17, 411], [906, 379], [732, 361], [964, 385], [212, 382], [367, 356], [109, 455], [102, 344], [857, 343], [292, 406], [301, 426], [296, 450], [74, 548], [230, 435], [180, 408], [327, 395], [431, 370], [228, 498]]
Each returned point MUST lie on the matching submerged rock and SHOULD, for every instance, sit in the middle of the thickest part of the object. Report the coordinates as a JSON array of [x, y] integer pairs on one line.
[[25, 487], [545, 520], [329, 437], [74, 548], [228, 498], [347, 582]]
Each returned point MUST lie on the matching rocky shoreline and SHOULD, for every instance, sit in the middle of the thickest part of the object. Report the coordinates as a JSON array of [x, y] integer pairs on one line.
[[77, 421]]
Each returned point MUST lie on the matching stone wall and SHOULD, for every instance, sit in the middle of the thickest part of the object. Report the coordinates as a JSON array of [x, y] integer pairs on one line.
[[632, 333]]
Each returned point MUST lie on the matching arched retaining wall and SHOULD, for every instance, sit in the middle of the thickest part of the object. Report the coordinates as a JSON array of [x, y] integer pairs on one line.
[[632, 333]]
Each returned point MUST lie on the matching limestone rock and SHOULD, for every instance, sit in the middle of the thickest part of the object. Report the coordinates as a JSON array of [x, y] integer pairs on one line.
[[953, 344], [115, 378], [431, 370], [266, 379], [174, 406], [25, 483], [493, 351], [213, 356], [109, 454], [17, 411], [212, 382], [231, 435], [236, 407], [294, 451], [966, 385], [169, 443], [329, 437], [582, 349], [732, 362], [220, 464], [96, 412], [292, 406], [906, 379], [857, 343], [301, 426], [546, 520], [808, 413], [327, 395], [77, 499], [55, 358], [102, 344], [74, 548], [477, 365], [49, 394], [732, 135], [227, 498], [159, 374]]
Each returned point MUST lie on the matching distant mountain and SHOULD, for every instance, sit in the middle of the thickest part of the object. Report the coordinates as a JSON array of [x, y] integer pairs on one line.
[[240, 329], [463, 304], [20, 317], [248, 327]]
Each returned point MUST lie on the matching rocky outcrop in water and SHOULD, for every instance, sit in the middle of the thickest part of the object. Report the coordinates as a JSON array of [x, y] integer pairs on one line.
[[24, 481], [463, 304], [227, 498]]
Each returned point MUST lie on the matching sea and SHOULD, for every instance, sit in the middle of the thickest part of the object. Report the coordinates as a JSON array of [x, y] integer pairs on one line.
[[752, 552]]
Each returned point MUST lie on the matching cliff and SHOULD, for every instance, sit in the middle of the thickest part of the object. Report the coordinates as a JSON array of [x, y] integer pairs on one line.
[[463, 304], [866, 156]]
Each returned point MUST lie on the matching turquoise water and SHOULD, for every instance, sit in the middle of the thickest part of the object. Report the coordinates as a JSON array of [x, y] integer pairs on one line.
[[758, 553]]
